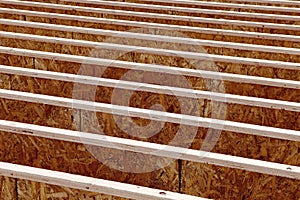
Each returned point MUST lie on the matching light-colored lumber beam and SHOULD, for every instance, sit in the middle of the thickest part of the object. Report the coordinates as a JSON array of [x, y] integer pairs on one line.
[[229, 5], [144, 15], [129, 85], [147, 148], [183, 9], [190, 120], [89, 184]]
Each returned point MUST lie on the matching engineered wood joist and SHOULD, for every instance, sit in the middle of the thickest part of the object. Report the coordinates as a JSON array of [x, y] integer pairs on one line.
[[204, 74], [150, 6], [288, 27], [228, 5], [131, 65], [89, 184], [151, 114], [75, 29], [186, 41], [281, 2], [173, 152]]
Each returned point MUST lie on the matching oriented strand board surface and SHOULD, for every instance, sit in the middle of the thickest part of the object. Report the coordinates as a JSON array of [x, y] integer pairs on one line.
[[75, 158], [223, 183], [7, 188], [29, 190]]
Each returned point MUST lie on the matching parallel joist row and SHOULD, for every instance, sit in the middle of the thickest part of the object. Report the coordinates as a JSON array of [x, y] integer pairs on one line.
[[251, 101], [124, 5], [168, 27], [166, 52], [20, 37], [143, 15], [186, 10], [134, 112]]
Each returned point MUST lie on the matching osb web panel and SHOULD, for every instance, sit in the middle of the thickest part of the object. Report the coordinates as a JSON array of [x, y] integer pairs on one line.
[[30, 190], [7, 188], [224, 183], [76, 159]]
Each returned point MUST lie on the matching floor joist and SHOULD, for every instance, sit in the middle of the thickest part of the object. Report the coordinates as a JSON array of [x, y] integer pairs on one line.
[[140, 66], [147, 148], [153, 68], [153, 115], [211, 43], [75, 29], [89, 183], [281, 2], [229, 5], [198, 73]]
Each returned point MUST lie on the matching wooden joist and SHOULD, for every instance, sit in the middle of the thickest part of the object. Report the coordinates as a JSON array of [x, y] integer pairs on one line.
[[230, 5], [152, 68], [89, 184], [128, 65], [221, 32], [280, 2], [209, 43], [153, 115], [173, 152]]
